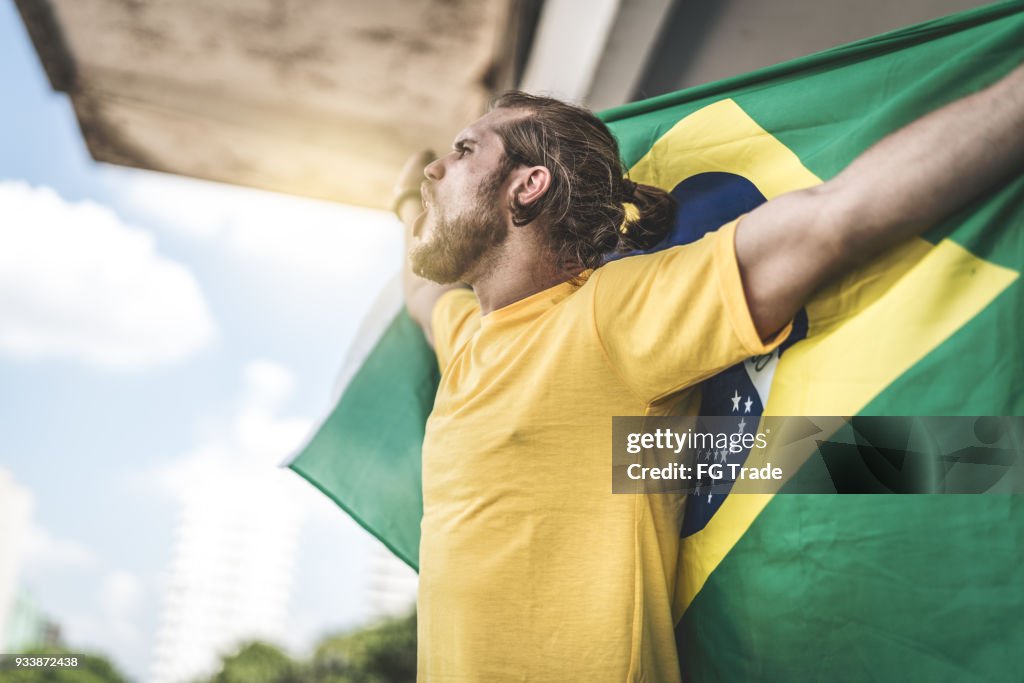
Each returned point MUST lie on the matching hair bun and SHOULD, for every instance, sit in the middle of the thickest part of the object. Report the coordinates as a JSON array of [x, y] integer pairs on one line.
[[628, 190]]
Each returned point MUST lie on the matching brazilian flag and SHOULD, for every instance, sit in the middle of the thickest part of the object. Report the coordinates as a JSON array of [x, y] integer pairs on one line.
[[800, 587]]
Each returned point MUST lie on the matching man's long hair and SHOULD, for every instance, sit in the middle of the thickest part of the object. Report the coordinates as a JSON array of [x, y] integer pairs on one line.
[[583, 211]]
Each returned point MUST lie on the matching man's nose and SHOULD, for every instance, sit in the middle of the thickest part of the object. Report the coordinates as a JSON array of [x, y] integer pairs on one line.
[[434, 170]]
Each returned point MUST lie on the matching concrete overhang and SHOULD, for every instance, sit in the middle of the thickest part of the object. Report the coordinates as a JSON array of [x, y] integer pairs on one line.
[[318, 98]]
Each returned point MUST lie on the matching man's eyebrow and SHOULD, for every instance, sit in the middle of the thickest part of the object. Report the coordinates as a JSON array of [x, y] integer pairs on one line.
[[464, 140]]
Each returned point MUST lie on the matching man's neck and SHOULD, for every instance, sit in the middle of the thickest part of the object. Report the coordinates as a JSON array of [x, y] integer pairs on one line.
[[520, 268]]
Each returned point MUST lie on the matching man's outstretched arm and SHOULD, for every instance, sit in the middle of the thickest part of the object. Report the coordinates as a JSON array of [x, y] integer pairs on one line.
[[898, 188], [420, 294]]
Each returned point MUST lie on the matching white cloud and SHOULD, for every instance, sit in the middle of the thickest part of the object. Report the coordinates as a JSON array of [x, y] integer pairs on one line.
[[25, 546], [120, 596], [120, 593], [318, 242], [267, 386], [256, 438], [44, 551], [77, 283], [112, 622]]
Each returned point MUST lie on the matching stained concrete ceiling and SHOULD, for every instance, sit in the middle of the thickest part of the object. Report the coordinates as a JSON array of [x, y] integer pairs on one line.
[[320, 98]]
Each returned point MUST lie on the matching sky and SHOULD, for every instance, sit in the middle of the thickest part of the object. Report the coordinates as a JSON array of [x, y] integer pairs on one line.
[[151, 326]]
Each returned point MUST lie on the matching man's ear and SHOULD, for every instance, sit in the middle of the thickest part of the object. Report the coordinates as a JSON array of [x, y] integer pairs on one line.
[[531, 184]]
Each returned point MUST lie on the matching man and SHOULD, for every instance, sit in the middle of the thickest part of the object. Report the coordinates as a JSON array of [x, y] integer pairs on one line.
[[530, 568]]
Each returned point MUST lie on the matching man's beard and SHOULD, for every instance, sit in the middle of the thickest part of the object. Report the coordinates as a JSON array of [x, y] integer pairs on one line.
[[459, 245]]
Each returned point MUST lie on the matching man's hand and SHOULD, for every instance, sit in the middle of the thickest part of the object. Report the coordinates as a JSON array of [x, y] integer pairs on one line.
[[420, 294], [900, 187], [406, 201]]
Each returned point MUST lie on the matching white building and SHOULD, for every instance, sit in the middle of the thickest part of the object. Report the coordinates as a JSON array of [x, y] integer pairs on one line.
[[392, 584], [231, 571]]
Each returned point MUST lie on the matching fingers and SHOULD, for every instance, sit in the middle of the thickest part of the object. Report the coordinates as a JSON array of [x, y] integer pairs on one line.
[[407, 188], [412, 173]]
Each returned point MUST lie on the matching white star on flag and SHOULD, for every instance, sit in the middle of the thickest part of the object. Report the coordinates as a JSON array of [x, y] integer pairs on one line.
[[748, 403], [736, 401]]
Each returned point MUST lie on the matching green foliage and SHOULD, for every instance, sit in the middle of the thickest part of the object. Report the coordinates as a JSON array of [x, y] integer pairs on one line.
[[385, 653], [258, 662]]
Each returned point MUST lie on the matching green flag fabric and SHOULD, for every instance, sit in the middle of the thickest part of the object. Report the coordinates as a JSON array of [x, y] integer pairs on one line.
[[365, 456], [800, 587]]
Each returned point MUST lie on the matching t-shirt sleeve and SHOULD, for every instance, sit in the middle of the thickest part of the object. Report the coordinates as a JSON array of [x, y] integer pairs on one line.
[[673, 318], [455, 318]]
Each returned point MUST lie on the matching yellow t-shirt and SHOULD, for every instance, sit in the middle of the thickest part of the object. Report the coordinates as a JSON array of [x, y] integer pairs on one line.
[[530, 568]]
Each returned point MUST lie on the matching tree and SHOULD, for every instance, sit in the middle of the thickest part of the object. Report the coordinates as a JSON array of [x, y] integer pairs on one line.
[[385, 653], [259, 662]]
